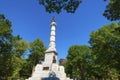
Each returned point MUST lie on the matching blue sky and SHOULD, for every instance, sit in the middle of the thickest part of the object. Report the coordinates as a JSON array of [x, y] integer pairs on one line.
[[31, 21]]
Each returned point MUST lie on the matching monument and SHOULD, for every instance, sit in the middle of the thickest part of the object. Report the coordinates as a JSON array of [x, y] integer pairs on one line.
[[50, 69]]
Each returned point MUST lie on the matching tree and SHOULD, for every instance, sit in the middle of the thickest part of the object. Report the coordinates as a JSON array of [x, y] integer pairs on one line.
[[16, 64], [111, 12], [26, 69], [78, 60], [5, 46], [11, 50], [105, 43], [37, 50], [19, 47], [57, 5]]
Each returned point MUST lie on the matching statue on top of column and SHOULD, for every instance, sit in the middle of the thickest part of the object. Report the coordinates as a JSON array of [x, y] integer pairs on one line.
[[53, 19]]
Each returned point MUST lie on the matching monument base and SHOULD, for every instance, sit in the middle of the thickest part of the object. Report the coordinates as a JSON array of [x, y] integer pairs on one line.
[[56, 72]]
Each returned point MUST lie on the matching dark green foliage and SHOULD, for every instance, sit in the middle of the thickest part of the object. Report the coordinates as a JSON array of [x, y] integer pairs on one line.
[[78, 58], [5, 46], [26, 70], [37, 50], [105, 44], [10, 50], [112, 11], [58, 5], [102, 61], [5, 28]]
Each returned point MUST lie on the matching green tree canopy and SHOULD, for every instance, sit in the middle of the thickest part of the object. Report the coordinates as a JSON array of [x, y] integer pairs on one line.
[[105, 44], [59, 5], [37, 51], [10, 47], [5, 46], [5, 27], [112, 11], [78, 60]]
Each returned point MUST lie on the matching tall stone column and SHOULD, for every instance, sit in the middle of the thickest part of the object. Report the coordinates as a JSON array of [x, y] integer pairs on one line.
[[51, 53], [52, 44]]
